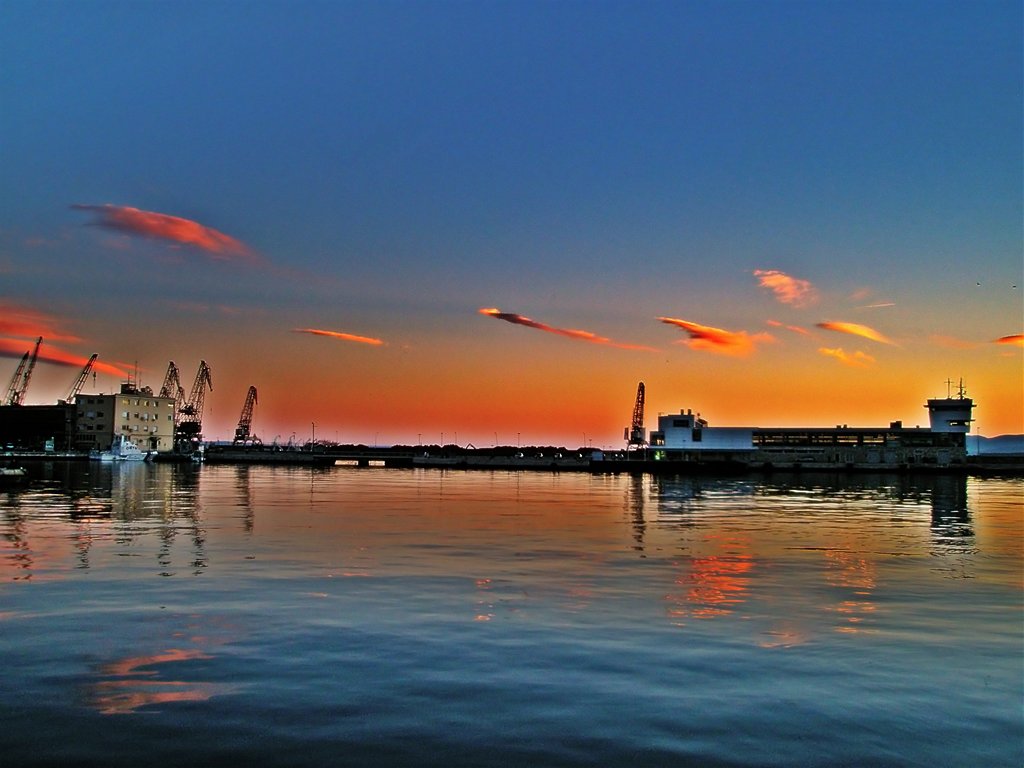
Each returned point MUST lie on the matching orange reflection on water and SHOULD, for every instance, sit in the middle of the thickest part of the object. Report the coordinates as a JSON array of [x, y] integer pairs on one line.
[[137, 688], [714, 586], [857, 574]]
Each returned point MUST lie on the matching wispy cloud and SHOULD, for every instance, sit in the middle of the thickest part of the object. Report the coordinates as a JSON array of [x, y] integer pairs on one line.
[[1016, 339], [952, 342], [787, 289], [793, 328], [879, 305], [856, 329], [707, 338], [48, 353], [593, 338], [341, 336], [174, 229], [856, 360], [16, 320]]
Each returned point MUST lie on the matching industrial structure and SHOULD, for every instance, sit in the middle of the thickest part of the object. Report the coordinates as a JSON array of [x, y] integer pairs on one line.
[[635, 435], [22, 375], [686, 439], [243, 432], [88, 422], [188, 430]]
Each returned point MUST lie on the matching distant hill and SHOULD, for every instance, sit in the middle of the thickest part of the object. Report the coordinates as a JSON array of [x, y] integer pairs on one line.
[[979, 445]]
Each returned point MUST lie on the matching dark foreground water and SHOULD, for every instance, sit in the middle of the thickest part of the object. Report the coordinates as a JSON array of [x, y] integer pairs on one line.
[[168, 616]]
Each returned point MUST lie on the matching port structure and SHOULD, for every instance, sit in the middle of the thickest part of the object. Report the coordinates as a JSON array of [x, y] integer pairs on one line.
[[243, 432], [635, 435], [79, 382], [22, 376], [188, 429]]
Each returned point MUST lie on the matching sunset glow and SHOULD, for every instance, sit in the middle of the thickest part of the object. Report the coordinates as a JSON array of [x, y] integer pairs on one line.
[[795, 240]]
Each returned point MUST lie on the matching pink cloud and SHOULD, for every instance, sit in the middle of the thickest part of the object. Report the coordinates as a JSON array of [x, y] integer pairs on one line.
[[16, 320], [710, 339], [511, 317], [793, 328], [340, 335], [15, 349], [161, 226], [787, 289]]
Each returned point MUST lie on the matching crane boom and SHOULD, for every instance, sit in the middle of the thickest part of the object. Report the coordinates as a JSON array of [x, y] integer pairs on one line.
[[22, 376], [12, 390], [635, 434], [80, 381], [243, 431], [190, 422]]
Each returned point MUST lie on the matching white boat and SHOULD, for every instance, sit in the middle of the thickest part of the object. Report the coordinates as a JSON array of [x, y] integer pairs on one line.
[[11, 475], [123, 449]]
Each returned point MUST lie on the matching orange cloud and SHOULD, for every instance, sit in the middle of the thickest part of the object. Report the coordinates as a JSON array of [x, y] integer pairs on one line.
[[793, 328], [511, 317], [856, 329], [49, 354], [706, 338], [787, 289], [1016, 339], [857, 359], [340, 335], [951, 342], [16, 320], [161, 226]]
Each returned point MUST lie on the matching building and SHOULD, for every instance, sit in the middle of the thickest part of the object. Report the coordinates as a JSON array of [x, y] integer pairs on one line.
[[686, 439], [37, 427], [142, 417]]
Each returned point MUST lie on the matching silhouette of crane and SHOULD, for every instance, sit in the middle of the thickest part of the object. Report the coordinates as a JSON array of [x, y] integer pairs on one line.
[[635, 435], [172, 388], [80, 381], [243, 432], [19, 382], [188, 431]]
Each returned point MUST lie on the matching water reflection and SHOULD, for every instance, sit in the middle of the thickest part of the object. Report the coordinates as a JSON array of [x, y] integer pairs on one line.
[[70, 509]]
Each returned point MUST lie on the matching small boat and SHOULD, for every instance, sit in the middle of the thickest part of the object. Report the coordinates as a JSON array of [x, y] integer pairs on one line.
[[122, 449], [11, 475]]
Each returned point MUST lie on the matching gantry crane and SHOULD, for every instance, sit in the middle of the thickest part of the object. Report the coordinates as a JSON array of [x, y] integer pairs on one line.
[[80, 381], [190, 424], [243, 432], [635, 435], [19, 382]]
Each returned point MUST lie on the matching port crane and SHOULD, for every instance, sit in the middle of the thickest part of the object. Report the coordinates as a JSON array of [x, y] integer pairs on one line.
[[189, 428], [19, 382], [243, 432], [80, 381], [172, 388], [635, 435]]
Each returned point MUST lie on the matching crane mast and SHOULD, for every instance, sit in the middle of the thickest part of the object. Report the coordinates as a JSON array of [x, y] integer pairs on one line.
[[190, 424], [172, 388], [80, 381], [243, 431], [635, 434], [22, 376]]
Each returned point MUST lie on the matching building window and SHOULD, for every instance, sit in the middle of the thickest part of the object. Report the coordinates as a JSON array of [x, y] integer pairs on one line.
[[698, 435]]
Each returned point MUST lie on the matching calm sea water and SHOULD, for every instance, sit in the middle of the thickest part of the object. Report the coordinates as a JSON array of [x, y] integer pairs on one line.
[[168, 616]]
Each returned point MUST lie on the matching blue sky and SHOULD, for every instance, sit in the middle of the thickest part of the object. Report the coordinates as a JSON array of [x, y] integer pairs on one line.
[[399, 165]]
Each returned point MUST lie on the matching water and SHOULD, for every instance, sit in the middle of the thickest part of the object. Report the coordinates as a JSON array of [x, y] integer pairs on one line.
[[160, 615]]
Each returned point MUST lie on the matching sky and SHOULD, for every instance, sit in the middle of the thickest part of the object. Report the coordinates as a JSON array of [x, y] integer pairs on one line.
[[486, 222]]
